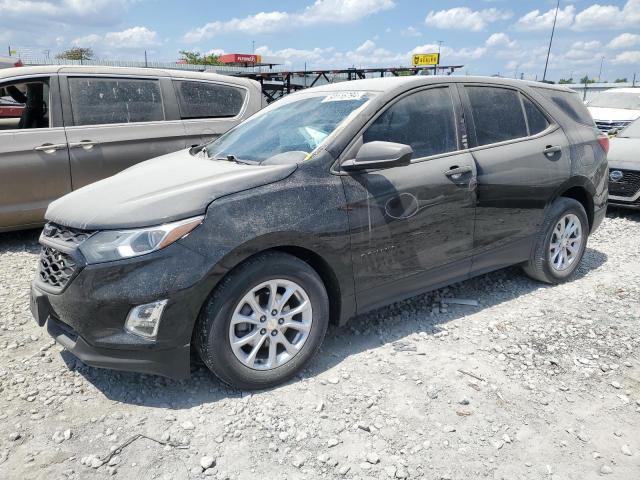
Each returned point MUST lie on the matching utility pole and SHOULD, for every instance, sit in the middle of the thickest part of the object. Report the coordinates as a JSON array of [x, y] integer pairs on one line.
[[553, 30], [440, 42], [146, 64], [253, 47], [600, 74]]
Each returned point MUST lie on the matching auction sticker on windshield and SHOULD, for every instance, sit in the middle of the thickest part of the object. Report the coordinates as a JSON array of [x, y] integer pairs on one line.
[[344, 96]]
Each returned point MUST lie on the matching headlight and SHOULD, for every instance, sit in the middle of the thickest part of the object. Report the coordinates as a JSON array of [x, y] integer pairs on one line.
[[112, 245]]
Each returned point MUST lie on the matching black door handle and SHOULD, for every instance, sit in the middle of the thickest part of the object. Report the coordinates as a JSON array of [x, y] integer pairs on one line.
[[551, 149]]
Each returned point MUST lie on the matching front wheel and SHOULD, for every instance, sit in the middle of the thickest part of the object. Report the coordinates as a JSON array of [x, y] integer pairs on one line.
[[264, 322], [561, 243]]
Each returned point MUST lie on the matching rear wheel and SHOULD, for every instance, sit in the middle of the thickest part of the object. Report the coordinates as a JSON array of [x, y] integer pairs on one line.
[[561, 243], [264, 322]]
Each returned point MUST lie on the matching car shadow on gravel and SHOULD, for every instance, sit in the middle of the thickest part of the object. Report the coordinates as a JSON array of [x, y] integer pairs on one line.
[[387, 325], [23, 241], [626, 213]]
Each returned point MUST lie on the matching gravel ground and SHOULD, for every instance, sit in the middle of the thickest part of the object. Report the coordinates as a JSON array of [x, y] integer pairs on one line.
[[535, 382]]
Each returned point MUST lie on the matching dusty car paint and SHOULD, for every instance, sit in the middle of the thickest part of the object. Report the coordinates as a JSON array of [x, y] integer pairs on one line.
[[374, 237]]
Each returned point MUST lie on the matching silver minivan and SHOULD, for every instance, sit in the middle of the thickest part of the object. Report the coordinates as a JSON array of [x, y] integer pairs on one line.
[[63, 127]]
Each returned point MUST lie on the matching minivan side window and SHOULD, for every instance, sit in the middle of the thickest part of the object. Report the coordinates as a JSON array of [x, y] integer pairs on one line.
[[25, 105], [570, 104], [424, 120], [208, 100], [100, 101], [497, 114]]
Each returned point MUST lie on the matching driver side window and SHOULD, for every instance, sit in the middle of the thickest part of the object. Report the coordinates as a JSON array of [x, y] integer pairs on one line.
[[424, 120], [24, 105]]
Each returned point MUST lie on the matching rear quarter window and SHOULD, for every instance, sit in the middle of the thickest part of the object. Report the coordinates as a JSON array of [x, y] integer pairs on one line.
[[208, 100], [569, 103]]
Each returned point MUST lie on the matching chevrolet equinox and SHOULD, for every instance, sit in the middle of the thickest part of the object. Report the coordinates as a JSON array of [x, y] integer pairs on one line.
[[330, 202]]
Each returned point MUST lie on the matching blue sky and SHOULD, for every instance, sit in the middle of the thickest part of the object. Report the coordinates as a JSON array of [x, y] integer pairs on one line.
[[487, 36]]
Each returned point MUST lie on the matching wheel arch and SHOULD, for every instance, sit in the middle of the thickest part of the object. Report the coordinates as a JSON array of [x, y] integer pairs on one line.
[[581, 190]]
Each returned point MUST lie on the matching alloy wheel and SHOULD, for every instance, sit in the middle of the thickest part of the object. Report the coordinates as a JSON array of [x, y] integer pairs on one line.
[[270, 324], [566, 242]]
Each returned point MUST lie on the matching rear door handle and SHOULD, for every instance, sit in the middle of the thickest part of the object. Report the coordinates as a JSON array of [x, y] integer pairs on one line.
[[551, 149], [86, 144], [455, 173], [50, 147]]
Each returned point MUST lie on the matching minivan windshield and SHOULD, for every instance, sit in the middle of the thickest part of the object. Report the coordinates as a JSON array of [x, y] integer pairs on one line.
[[624, 100], [294, 124]]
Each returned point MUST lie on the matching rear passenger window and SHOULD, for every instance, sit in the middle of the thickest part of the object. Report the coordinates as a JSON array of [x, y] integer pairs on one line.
[[570, 103], [497, 114], [537, 121], [99, 101], [424, 120], [208, 100]]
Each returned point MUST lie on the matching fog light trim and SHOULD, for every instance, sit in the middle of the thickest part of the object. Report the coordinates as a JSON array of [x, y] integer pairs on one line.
[[144, 320]]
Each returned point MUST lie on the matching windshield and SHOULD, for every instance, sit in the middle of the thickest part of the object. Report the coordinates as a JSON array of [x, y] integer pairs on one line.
[[624, 100], [292, 124], [632, 131]]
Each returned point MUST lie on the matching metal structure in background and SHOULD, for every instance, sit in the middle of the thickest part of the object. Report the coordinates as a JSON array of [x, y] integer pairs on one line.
[[275, 85]]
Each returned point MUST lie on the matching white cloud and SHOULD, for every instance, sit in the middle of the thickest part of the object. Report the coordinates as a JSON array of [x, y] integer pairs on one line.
[[463, 18], [215, 51], [320, 12], [632, 57], [609, 16], [134, 37], [93, 12], [536, 20], [625, 40], [595, 17], [501, 40], [411, 32]]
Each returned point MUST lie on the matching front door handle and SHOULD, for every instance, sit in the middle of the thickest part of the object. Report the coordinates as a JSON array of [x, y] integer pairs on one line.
[[50, 147], [86, 144], [552, 149], [456, 173]]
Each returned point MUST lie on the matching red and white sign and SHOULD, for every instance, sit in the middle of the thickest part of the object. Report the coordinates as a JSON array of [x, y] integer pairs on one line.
[[240, 58]]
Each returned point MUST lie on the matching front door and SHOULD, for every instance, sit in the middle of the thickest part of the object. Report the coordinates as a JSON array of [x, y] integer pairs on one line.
[[412, 226], [34, 159], [113, 123]]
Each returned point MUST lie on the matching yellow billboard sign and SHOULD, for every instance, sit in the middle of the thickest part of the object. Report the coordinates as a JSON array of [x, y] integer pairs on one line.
[[422, 59]]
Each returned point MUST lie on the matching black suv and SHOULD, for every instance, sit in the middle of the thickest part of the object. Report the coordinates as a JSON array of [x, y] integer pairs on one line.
[[330, 202]]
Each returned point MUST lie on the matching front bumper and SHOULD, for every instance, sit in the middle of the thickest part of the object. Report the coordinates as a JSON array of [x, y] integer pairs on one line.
[[87, 317]]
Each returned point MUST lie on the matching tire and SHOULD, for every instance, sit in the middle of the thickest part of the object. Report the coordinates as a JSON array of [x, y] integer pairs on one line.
[[213, 334], [539, 267]]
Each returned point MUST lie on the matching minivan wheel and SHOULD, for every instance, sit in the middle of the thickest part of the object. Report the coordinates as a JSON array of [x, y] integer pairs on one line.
[[561, 243], [264, 322]]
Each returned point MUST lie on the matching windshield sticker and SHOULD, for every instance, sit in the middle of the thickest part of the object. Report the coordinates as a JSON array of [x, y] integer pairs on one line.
[[343, 96]]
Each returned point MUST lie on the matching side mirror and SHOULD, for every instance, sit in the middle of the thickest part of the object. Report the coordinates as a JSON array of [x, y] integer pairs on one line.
[[379, 155]]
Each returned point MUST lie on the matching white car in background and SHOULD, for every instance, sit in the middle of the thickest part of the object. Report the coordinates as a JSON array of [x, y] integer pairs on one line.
[[616, 108], [8, 62]]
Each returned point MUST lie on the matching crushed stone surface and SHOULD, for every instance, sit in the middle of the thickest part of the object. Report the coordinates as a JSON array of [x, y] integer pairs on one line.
[[534, 382]]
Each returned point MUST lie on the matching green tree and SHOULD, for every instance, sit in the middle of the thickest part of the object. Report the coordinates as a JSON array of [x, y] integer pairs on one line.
[[196, 58], [621, 80], [587, 80], [76, 53], [565, 81]]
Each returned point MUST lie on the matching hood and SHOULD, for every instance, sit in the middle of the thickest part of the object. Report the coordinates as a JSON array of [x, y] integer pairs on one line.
[[624, 153], [605, 114], [161, 190]]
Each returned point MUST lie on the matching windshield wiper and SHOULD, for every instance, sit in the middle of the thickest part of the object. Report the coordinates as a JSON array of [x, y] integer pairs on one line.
[[232, 158]]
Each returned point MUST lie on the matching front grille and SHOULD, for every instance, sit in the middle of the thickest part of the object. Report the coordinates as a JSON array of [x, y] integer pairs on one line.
[[71, 237], [607, 125], [56, 267], [628, 186]]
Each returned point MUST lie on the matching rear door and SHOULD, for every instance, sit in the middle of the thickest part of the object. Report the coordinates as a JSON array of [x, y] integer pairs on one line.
[[209, 109], [412, 226], [522, 158], [34, 159], [114, 122]]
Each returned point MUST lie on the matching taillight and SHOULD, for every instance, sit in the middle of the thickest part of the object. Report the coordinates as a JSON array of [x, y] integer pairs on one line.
[[603, 140]]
